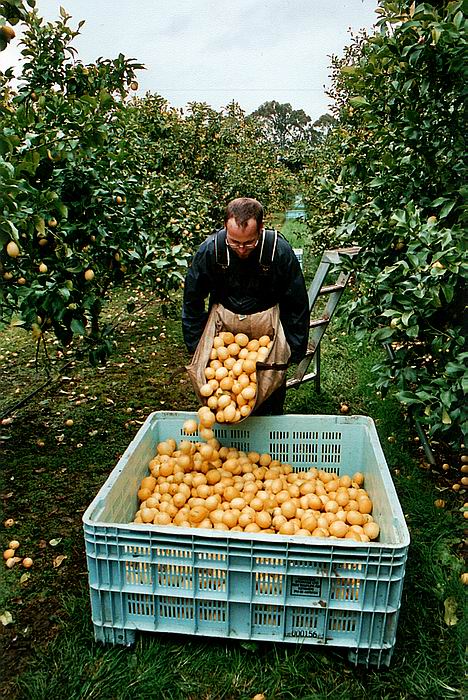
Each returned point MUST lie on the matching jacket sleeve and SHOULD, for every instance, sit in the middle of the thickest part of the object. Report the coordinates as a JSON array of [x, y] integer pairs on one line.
[[294, 308], [197, 287]]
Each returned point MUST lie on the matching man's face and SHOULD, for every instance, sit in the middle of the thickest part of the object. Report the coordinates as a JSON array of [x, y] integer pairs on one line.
[[242, 239]]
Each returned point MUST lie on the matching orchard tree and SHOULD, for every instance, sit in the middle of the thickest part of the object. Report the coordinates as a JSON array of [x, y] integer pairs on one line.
[[60, 253], [204, 158], [96, 186], [391, 178], [283, 125], [251, 167], [324, 124]]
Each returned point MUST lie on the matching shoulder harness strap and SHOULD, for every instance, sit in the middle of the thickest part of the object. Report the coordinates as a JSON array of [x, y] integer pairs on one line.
[[268, 249], [268, 245], [221, 249]]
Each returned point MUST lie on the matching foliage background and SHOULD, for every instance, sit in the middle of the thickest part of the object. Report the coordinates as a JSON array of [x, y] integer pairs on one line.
[[94, 182], [391, 177]]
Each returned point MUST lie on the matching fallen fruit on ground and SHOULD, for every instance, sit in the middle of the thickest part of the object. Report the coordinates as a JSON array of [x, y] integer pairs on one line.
[[12, 561]]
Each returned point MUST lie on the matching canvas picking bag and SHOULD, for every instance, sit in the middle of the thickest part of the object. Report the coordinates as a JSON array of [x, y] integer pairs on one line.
[[270, 374]]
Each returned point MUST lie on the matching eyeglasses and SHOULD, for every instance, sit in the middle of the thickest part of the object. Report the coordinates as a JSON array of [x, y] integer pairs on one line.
[[247, 246]]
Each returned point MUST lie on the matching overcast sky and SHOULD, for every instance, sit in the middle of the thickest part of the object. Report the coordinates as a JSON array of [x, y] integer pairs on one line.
[[216, 51]]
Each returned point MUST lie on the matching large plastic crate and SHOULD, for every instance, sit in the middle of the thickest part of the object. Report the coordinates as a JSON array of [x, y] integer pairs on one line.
[[238, 585]]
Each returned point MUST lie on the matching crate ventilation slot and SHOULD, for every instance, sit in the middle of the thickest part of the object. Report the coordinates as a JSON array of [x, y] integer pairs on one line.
[[266, 616], [305, 618], [345, 589], [342, 621], [305, 447], [140, 604], [331, 451], [316, 566], [351, 568], [212, 610], [212, 579], [175, 608], [174, 553], [138, 573], [175, 576], [236, 434], [269, 584], [137, 550], [212, 556], [269, 561]]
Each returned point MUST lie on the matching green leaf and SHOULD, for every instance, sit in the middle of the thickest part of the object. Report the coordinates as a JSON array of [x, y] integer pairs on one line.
[[62, 209], [436, 32], [10, 230], [407, 397], [358, 101], [437, 202], [77, 326], [399, 216], [405, 317], [383, 334], [446, 209], [448, 291], [412, 331], [105, 99]]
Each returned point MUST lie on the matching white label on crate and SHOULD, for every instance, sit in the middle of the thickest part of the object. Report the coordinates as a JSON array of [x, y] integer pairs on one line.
[[306, 586]]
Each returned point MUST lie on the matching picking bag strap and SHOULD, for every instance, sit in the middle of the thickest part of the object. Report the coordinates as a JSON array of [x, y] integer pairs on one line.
[[273, 365]]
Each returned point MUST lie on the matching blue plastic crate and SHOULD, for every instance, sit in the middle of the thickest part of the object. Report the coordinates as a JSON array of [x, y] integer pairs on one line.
[[239, 585]]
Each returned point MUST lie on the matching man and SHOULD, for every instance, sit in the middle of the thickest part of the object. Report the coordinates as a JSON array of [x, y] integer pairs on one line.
[[230, 268]]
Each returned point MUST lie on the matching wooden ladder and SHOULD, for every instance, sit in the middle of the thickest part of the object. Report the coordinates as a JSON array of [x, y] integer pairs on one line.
[[318, 326]]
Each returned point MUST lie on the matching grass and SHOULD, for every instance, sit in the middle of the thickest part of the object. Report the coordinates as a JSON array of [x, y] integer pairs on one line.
[[49, 648]]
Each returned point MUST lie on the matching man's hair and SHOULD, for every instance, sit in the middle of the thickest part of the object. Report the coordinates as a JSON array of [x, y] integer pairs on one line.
[[242, 210]]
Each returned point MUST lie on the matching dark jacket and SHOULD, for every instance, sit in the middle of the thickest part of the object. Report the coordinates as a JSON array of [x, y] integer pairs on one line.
[[246, 289]]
